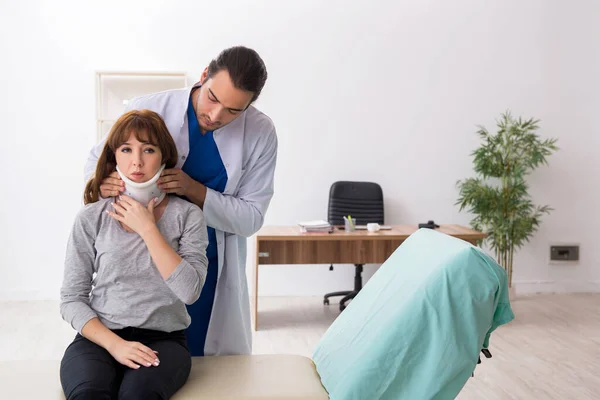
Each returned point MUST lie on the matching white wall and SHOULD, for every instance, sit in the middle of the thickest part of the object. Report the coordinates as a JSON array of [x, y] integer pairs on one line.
[[383, 91]]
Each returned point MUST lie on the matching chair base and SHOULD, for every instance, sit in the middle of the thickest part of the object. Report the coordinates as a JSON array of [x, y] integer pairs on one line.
[[348, 295]]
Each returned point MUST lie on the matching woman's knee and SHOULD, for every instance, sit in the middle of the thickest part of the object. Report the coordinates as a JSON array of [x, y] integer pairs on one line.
[[87, 373], [152, 384], [89, 393], [141, 392]]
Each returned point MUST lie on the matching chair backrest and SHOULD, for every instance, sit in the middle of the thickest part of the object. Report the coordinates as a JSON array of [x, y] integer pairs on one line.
[[361, 200]]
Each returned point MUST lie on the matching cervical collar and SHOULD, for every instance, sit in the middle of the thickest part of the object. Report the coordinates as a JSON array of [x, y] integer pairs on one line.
[[143, 192]]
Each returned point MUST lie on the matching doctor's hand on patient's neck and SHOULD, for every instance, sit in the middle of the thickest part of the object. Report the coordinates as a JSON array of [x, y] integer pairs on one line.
[[112, 185], [176, 181]]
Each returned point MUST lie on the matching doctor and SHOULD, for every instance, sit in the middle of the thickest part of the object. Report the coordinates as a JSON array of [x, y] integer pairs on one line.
[[227, 155]]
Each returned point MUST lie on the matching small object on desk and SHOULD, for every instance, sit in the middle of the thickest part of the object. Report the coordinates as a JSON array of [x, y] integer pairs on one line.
[[349, 224], [373, 227], [381, 227], [430, 225]]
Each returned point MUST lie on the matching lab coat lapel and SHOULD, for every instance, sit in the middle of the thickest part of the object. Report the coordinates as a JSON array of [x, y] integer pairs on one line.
[[230, 142]]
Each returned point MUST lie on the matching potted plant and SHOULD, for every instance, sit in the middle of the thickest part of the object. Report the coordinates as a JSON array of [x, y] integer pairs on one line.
[[498, 196]]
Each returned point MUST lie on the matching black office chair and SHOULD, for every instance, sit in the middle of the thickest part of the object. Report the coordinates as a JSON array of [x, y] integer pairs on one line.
[[360, 200]]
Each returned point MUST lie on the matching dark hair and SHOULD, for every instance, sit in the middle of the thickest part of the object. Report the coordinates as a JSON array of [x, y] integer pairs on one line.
[[147, 126], [245, 67]]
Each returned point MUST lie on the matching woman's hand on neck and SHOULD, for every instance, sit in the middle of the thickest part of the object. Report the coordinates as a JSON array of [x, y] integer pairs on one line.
[[158, 212]]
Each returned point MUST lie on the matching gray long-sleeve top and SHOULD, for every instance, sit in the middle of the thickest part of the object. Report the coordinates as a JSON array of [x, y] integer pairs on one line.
[[127, 289]]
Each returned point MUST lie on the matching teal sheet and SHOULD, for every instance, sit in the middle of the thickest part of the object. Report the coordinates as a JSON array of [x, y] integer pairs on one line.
[[416, 329]]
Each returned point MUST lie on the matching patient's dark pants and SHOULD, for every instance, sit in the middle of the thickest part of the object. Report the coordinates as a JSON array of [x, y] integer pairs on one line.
[[88, 371]]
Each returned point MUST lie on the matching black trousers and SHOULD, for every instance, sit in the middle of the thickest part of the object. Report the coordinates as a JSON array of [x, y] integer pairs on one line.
[[88, 371]]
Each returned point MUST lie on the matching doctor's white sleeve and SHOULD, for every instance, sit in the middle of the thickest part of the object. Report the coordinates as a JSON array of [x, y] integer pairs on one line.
[[244, 213], [90, 165]]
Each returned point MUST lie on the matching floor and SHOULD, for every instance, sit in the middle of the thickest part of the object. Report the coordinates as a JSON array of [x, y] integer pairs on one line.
[[550, 351]]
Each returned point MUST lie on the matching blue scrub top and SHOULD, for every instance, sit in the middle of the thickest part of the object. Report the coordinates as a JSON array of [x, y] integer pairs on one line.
[[204, 165]]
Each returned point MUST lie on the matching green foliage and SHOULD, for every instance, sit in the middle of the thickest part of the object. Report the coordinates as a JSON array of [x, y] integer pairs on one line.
[[498, 196]]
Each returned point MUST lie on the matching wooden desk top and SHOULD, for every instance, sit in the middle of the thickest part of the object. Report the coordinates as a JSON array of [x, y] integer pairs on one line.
[[398, 232]]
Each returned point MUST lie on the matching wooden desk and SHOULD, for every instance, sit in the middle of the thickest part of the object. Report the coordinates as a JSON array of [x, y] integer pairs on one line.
[[287, 245]]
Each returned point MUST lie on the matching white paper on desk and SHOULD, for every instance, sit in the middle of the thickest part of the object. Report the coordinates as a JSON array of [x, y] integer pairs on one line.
[[319, 223]]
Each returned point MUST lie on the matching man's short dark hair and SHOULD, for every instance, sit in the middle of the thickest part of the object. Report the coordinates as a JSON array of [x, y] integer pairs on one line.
[[245, 67]]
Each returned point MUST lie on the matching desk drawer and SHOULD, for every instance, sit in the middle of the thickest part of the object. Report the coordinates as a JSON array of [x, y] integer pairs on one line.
[[325, 252]]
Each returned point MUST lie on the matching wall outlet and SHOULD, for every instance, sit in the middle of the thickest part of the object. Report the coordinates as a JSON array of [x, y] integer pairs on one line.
[[564, 253]]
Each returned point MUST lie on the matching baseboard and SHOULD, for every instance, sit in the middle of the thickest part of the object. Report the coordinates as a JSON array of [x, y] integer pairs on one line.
[[531, 286]]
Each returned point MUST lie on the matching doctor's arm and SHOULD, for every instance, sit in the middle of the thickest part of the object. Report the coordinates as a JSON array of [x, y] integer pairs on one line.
[[90, 165], [243, 214]]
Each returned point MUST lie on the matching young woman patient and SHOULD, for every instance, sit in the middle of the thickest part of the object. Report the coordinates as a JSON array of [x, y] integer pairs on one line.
[[148, 253]]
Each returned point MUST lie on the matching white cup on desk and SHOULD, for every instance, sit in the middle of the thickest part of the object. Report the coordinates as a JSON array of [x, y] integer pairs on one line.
[[373, 227]]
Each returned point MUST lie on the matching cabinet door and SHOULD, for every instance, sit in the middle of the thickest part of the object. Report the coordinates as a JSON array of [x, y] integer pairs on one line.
[[115, 89]]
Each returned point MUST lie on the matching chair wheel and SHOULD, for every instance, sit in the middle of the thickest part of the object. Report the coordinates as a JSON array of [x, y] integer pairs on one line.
[[326, 302], [342, 307]]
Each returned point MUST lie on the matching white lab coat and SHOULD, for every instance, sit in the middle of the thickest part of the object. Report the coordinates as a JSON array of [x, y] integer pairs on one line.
[[248, 148]]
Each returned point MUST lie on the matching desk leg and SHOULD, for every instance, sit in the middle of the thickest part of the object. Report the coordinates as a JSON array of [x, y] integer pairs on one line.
[[255, 322]]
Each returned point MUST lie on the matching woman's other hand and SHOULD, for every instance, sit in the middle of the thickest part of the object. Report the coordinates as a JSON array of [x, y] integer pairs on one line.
[[134, 215], [133, 354]]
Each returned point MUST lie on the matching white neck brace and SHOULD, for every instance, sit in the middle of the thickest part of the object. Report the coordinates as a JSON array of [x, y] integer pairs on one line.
[[143, 192]]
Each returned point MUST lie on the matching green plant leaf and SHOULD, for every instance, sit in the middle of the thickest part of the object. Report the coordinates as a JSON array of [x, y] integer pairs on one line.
[[498, 196]]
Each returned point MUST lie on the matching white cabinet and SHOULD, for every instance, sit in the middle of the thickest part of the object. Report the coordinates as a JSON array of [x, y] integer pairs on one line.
[[114, 89]]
